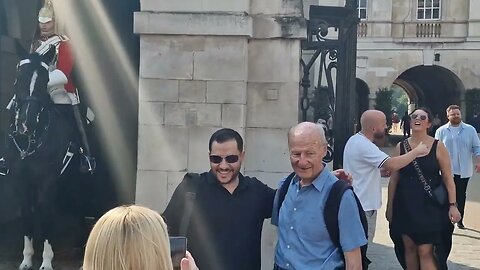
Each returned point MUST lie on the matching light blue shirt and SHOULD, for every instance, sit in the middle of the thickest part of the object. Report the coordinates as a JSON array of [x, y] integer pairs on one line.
[[303, 239], [460, 147]]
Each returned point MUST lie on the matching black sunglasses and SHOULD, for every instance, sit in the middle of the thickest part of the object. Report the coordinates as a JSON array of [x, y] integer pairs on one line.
[[218, 159], [415, 116]]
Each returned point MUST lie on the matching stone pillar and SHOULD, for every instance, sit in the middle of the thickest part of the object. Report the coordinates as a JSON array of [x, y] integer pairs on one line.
[[210, 64], [474, 21], [272, 95]]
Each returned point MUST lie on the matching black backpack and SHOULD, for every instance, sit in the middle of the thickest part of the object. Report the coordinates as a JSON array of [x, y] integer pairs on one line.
[[331, 212]]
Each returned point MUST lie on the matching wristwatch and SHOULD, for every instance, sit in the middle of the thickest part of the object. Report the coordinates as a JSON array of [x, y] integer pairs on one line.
[[453, 204]]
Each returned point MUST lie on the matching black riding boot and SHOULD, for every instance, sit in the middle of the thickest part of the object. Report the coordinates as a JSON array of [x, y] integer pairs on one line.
[[87, 162]]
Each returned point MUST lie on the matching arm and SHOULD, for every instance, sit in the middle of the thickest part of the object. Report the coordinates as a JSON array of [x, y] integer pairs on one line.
[[438, 134], [65, 58], [343, 175], [174, 210], [398, 162], [477, 164], [353, 259], [269, 194], [444, 161], [65, 64], [476, 150], [392, 187], [352, 235]]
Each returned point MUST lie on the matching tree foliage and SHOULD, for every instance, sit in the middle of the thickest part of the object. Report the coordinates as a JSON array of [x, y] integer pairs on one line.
[[399, 100], [383, 102]]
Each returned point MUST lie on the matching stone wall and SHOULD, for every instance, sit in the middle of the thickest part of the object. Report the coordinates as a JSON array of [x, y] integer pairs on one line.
[[210, 64]]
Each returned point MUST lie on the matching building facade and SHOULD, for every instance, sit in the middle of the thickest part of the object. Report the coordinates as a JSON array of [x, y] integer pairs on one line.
[[429, 48]]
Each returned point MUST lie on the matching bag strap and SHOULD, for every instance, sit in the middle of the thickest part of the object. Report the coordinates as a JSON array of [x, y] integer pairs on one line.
[[426, 186], [332, 207], [193, 180], [282, 192]]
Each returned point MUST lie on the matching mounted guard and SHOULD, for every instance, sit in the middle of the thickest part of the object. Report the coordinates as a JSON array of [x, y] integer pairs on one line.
[[60, 86]]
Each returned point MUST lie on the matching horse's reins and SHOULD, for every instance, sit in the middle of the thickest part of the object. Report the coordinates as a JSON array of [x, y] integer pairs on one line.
[[32, 141]]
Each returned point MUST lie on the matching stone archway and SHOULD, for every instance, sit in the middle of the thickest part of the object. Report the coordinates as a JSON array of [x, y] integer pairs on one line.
[[434, 87]]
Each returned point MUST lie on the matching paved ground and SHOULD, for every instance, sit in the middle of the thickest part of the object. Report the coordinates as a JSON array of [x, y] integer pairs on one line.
[[68, 253]]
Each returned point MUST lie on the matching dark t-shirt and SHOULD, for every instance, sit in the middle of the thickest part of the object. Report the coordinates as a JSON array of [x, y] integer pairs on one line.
[[225, 229], [406, 121]]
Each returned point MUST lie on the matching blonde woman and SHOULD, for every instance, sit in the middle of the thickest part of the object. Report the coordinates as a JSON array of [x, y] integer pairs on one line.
[[131, 238]]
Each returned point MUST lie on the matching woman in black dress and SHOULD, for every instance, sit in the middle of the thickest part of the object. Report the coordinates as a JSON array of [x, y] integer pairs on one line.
[[417, 222]]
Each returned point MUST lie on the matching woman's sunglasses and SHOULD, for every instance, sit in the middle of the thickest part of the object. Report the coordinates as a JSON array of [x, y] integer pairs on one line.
[[218, 159], [416, 116]]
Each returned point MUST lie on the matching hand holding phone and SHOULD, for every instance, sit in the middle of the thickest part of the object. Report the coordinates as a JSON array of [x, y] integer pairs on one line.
[[178, 249], [188, 263]]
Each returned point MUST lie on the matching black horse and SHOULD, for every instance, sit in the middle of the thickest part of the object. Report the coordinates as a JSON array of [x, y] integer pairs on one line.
[[38, 150]]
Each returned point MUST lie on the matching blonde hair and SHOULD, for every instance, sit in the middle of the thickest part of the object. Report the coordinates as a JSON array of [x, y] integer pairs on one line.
[[128, 238]]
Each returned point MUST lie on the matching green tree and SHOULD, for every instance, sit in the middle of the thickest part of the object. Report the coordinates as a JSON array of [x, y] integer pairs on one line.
[[383, 102], [399, 100]]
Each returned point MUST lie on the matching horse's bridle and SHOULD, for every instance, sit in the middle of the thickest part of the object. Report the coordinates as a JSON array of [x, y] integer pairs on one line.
[[33, 142], [32, 145]]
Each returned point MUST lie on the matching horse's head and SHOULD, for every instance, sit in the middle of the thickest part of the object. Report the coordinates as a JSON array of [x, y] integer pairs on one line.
[[30, 89]]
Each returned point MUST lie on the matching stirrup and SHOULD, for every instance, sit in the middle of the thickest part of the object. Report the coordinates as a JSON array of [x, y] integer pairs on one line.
[[87, 164], [4, 170]]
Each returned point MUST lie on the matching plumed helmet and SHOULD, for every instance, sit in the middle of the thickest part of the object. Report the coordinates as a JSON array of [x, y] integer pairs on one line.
[[46, 13]]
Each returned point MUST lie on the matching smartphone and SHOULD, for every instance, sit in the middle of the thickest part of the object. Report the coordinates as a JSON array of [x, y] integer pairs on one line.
[[178, 249]]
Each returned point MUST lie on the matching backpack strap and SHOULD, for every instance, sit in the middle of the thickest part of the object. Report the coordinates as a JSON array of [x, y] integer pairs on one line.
[[282, 191], [332, 207], [193, 182]]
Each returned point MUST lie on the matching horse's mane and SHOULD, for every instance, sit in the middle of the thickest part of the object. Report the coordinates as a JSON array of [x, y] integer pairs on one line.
[[35, 60]]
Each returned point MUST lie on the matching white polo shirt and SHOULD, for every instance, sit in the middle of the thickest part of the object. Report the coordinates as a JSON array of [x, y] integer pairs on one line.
[[363, 160]]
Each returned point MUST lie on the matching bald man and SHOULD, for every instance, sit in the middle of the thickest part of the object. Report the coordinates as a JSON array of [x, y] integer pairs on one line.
[[303, 239], [364, 161]]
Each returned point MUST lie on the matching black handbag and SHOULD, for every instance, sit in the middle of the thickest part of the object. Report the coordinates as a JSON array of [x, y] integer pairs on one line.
[[438, 194]]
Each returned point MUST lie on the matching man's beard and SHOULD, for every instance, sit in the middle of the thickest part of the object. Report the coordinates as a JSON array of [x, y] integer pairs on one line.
[[455, 121], [378, 135]]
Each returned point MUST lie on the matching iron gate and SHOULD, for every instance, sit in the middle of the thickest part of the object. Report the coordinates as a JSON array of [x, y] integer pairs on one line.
[[332, 41]]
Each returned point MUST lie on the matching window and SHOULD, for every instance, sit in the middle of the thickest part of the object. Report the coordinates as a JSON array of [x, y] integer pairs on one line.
[[362, 9], [428, 9]]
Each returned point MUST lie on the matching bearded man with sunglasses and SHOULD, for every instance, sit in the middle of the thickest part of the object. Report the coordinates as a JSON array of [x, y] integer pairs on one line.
[[225, 226]]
